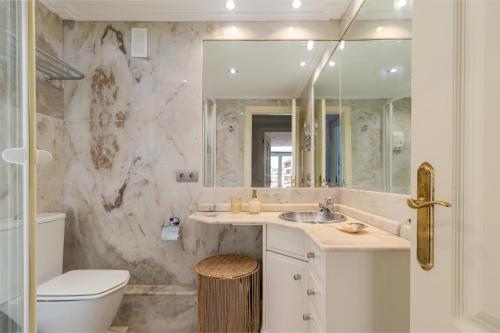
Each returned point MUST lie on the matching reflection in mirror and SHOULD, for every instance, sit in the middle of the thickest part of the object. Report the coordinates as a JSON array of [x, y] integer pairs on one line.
[[382, 19], [256, 112], [362, 115]]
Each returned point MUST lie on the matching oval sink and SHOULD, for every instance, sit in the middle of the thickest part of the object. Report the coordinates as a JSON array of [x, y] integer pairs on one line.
[[312, 217]]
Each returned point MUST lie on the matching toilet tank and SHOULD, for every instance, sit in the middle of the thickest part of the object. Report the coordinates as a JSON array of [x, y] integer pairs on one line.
[[49, 246]]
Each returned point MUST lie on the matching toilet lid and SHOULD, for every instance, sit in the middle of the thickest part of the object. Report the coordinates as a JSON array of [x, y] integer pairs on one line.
[[82, 284]]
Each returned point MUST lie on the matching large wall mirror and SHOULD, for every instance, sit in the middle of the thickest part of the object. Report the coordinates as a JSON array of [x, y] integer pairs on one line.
[[255, 108], [313, 113]]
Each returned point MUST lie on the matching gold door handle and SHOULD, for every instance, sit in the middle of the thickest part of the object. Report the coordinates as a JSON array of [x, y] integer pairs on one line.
[[421, 203]]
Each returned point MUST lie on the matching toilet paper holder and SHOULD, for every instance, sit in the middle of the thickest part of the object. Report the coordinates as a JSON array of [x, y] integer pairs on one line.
[[170, 230]]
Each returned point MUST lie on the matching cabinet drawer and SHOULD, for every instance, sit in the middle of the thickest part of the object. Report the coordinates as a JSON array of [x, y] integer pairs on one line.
[[315, 298], [288, 241], [316, 259]]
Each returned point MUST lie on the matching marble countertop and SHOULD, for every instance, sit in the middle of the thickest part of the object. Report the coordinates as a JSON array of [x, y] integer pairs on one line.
[[326, 236]]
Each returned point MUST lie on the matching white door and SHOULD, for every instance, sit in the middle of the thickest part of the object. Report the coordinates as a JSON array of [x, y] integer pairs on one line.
[[455, 127], [286, 294]]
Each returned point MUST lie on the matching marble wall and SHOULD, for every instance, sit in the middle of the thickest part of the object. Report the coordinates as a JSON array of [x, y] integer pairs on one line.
[[50, 116], [129, 125], [231, 137]]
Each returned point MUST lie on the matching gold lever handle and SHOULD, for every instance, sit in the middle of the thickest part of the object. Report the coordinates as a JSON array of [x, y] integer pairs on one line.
[[421, 203]]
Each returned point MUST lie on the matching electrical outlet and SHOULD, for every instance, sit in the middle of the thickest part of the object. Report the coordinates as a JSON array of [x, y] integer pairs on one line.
[[186, 176]]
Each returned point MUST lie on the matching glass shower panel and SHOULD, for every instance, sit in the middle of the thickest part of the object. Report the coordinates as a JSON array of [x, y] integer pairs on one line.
[[13, 133]]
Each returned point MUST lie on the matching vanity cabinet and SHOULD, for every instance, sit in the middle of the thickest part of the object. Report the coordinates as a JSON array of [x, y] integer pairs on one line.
[[307, 289]]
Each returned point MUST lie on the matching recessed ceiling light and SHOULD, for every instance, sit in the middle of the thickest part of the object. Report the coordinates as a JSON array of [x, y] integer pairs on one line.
[[379, 29], [302, 64], [296, 4], [393, 70], [342, 45], [398, 4], [291, 29], [230, 4], [233, 71], [310, 45], [331, 63]]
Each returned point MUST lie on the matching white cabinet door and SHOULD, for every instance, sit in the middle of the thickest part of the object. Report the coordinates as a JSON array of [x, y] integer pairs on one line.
[[286, 294]]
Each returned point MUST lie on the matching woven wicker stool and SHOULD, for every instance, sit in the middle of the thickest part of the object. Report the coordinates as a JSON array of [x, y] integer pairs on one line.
[[228, 294]]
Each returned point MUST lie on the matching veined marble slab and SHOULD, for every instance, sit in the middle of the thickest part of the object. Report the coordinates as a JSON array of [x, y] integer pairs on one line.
[[326, 236]]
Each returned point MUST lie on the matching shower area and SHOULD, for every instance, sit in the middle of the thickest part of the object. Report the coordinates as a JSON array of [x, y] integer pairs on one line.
[[13, 167]]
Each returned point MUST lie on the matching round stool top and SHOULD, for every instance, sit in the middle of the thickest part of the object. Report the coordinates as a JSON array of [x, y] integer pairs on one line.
[[227, 266]]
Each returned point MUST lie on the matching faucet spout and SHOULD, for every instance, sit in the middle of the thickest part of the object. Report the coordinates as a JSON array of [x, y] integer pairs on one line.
[[326, 206]]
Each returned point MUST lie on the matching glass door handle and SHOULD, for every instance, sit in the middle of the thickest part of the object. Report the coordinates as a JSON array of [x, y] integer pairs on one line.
[[14, 155], [18, 156]]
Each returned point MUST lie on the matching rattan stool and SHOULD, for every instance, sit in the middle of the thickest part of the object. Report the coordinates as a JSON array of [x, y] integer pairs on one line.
[[228, 294]]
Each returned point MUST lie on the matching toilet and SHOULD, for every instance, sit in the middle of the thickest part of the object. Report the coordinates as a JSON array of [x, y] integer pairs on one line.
[[79, 301]]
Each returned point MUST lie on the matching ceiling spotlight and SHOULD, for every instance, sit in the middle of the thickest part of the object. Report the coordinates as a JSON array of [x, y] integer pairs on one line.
[[233, 71], [379, 29], [296, 4], [310, 45], [342, 45], [302, 64], [331, 63], [230, 4], [398, 4], [393, 70]]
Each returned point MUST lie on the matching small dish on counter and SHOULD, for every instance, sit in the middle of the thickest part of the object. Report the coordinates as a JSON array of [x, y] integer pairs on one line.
[[351, 227]]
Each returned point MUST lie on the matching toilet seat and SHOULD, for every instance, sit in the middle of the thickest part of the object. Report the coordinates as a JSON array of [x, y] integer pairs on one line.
[[82, 285]]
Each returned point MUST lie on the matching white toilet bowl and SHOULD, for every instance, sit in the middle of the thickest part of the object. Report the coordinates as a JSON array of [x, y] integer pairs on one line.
[[81, 301]]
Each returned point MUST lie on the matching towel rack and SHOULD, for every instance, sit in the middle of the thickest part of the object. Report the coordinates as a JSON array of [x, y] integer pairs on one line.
[[53, 68], [50, 67]]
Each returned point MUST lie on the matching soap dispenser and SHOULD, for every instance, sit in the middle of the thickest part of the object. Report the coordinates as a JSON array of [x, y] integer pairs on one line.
[[254, 204]]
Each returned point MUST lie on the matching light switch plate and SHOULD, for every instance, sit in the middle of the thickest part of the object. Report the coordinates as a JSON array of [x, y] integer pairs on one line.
[[186, 176]]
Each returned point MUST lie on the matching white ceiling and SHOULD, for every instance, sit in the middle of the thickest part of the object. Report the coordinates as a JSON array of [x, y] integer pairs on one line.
[[267, 69], [195, 10], [364, 67]]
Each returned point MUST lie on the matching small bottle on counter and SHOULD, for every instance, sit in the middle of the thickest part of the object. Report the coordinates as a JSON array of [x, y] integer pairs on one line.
[[235, 205], [254, 203]]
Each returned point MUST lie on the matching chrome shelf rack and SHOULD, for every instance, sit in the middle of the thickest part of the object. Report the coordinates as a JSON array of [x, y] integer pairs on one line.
[[48, 66]]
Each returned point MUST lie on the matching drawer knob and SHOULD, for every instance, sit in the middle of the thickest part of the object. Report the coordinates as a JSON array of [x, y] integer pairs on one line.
[[306, 317], [311, 292], [311, 255], [297, 277]]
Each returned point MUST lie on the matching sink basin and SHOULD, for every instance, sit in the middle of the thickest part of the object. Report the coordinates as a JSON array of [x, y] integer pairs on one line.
[[312, 217]]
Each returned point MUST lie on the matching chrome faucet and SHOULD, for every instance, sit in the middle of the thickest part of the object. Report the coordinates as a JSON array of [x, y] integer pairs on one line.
[[326, 206]]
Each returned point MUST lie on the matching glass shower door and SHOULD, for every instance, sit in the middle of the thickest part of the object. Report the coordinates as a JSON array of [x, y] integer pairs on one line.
[[13, 166]]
